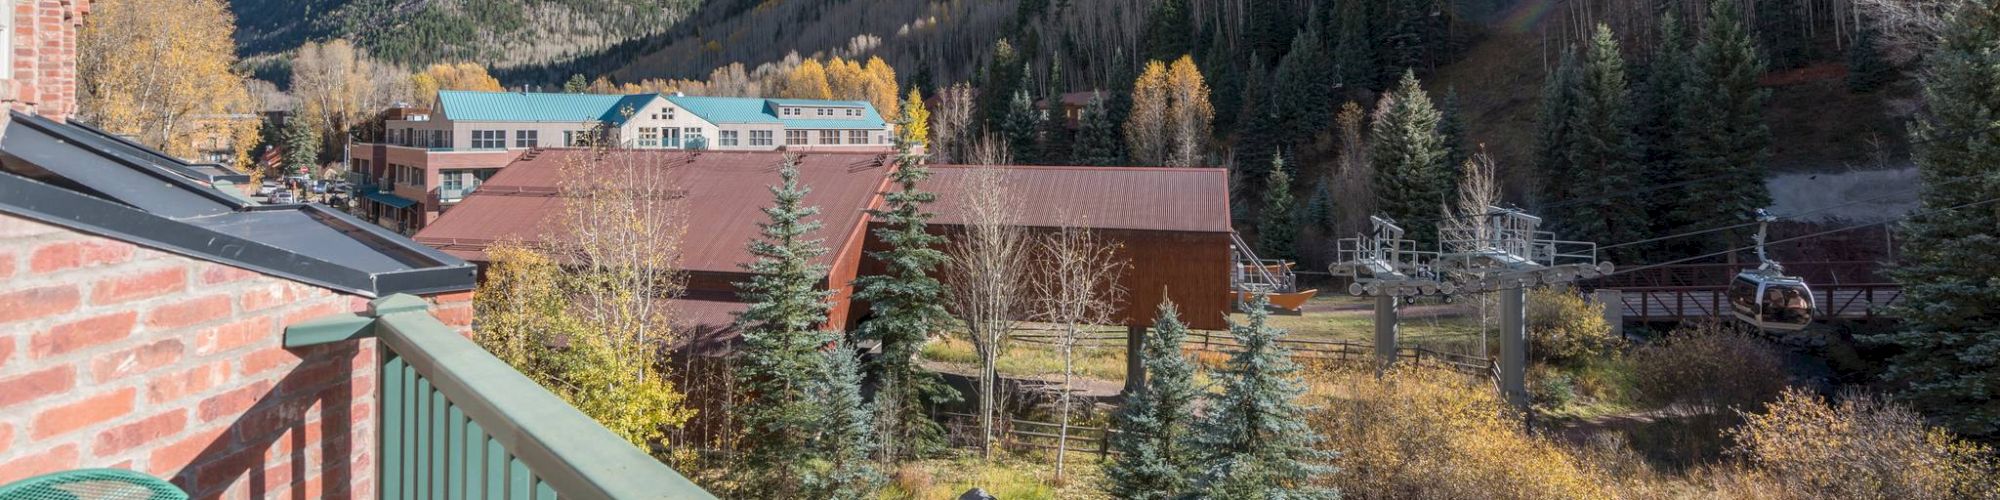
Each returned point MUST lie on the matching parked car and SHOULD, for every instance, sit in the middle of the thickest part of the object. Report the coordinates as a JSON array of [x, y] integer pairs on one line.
[[267, 188], [319, 187], [282, 197]]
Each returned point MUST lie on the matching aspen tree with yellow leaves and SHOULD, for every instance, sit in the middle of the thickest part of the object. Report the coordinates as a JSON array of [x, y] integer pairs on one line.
[[1171, 118], [460, 76], [807, 81], [159, 71]]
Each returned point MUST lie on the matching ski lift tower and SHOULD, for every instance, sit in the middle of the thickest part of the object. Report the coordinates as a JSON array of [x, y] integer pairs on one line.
[[1388, 267], [1508, 254]]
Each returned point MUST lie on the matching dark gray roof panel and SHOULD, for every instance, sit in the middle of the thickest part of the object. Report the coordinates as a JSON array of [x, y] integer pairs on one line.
[[66, 176]]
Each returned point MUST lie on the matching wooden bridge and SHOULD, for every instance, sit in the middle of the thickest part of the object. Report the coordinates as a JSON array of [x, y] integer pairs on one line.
[[1844, 290]]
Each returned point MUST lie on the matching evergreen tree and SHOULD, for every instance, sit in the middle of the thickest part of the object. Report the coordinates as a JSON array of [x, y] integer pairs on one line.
[[1950, 336], [1168, 28], [1003, 76], [1451, 126], [1866, 69], [1602, 151], [577, 84], [1408, 156], [1021, 127], [1304, 89], [1156, 459], [1255, 435], [1268, 29], [1054, 137], [1725, 150], [301, 142], [1262, 133], [1662, 122], [1277, 234], [781, 342], [1319, 211], [908, 304], [842, 468], [1225, 83], [1354, 46], [1098, 139], [1555, 127]]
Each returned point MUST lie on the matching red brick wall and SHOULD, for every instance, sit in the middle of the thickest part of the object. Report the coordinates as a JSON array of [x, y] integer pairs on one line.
[[113, 355], [43, 77]]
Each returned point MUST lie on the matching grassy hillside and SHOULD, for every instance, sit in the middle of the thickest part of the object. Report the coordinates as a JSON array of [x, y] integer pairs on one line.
[[498, 33]]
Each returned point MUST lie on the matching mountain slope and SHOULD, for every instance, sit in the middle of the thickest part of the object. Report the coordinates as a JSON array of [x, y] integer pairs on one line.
[[497, 33]]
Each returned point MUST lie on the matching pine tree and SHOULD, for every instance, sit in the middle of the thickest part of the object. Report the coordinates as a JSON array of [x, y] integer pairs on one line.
[[1304, 88], [577, 84], [1451, 126], [301, 142], [1255, 435], [1168, 28], [1226, 80], [1555, 128], [781, 342], [1097, 137], [1156, 459], [1866, 69], [1354, 46], [1725, 149], [1003, 77], [1950, 335], [1055, 136], [1268, 29], [1022, 126], [907, 303], [1408, 156], [1319, 211], [1602, 151], [1262, 133], [842, 468], [1662, 122], [1276, 234]]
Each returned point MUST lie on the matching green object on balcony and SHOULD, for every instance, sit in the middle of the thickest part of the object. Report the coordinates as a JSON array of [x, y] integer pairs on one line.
[[456, 422], [92, 484]]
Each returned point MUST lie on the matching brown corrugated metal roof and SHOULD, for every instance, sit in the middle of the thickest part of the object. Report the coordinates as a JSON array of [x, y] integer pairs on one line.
[[1136, 198], [726, 194]]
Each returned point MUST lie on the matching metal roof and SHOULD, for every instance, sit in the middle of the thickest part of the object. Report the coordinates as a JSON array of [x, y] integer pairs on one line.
[[1132, 198], [468, 105], [761, 110], [85, 180], [726, 194]]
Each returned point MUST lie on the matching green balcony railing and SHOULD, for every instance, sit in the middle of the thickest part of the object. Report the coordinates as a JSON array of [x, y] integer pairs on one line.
[[456, 422]]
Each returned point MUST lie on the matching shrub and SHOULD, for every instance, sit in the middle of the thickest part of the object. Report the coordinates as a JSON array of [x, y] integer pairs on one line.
[[1863, 447], [1564, 328], [1707, 369], [1430, 433]]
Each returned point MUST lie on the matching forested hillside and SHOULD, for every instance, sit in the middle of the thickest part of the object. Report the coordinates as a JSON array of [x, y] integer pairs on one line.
[[496, 33]]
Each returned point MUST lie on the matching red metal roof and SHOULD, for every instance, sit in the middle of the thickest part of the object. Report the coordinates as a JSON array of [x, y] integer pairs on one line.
[[1136, 198], [726, 194]]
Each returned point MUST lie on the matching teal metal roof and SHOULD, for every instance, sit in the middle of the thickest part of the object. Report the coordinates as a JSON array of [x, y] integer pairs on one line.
[[760, 110], [575, 108], [536, 107]]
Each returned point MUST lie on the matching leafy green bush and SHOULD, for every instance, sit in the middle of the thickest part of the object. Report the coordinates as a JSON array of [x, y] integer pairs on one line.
[[1563, 328]]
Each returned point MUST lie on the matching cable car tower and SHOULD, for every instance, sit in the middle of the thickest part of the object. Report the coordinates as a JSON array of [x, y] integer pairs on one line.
[[1389, 267], [1765, 297]]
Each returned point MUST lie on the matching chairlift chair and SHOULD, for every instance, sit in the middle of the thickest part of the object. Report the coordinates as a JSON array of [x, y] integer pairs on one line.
[[1766, 297]]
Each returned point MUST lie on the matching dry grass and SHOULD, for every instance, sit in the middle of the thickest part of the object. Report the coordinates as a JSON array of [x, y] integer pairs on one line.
[[1023, 476]]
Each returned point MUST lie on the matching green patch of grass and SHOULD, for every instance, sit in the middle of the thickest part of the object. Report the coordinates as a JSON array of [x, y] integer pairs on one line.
[[1602, 385]]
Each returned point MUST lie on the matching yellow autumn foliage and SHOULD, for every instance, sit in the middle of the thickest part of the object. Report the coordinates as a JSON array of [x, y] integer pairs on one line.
[[916, 130], [1430, 433], [808, 80], [525, 319], [1863, 448], [159, 71], [459, 76]]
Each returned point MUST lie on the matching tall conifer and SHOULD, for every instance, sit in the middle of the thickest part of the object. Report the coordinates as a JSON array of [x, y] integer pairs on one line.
[[1156, 456], [1255, 434], [1408, 156], [781, 343]]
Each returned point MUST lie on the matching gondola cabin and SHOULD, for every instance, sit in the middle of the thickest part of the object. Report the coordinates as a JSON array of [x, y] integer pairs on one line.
[[1771, 301]]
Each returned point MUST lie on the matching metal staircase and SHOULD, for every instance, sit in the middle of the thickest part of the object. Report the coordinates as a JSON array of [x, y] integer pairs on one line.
[[1250, 275]]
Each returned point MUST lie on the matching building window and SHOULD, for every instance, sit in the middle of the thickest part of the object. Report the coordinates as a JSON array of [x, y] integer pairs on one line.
[[649, 137], [526, 139], [795, 138], [670, 113], [760, 138], [440, 140], [448, 181], [489, 139], [694, 138], [788, 111], [829, 137], [857, 137], [727, 137]]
